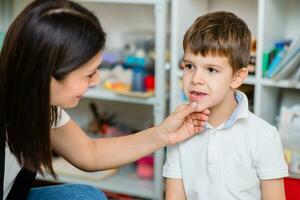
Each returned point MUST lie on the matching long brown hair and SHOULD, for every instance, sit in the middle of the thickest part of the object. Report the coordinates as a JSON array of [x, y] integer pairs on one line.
[[49, 38]]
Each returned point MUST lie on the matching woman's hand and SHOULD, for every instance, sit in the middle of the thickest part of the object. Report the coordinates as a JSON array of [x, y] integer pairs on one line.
[[185, 122]]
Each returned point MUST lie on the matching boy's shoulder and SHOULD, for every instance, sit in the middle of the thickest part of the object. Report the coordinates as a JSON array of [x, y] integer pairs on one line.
[[254, 119], [259, 126]]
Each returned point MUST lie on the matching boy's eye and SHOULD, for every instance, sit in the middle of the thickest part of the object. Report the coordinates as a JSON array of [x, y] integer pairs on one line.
[[212, 70], [188, 66]]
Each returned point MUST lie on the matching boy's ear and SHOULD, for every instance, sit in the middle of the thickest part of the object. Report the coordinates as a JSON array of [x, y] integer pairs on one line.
[[239, 77]]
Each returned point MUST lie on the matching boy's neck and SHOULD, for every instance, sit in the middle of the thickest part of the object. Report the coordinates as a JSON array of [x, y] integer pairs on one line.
[[221, 113]]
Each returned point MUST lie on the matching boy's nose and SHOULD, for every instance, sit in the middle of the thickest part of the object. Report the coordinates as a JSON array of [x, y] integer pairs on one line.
[[198, 78]]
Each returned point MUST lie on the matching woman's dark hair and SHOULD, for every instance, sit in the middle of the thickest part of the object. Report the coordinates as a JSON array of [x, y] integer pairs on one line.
[[49, 38]]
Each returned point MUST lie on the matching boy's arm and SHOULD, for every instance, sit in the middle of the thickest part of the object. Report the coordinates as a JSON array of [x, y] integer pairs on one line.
[[271, 166], [175, 189], [273, 189]]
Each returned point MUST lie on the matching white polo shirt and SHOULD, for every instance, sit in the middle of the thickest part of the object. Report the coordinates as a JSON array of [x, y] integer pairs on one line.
[[229, 161], [12, 166]]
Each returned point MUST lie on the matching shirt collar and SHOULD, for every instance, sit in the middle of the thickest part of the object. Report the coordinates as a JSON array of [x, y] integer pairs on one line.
[[241, 111]]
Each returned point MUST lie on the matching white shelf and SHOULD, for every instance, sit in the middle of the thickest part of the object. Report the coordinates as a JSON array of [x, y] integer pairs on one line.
[[150, 2], [251, 80], [98, 93], [125, 182], [281, 83]]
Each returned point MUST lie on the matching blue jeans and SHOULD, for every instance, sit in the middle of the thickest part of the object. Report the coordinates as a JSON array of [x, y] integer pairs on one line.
[[66, 192]]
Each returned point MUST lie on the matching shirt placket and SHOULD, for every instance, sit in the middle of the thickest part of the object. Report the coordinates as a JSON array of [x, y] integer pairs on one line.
[[212, 152]]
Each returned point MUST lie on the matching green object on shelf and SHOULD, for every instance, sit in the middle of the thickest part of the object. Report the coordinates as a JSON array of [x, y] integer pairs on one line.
[[2, 35], [265, 63]]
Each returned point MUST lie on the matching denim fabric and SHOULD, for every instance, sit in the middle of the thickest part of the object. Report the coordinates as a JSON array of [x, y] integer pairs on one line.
[[66, 192]]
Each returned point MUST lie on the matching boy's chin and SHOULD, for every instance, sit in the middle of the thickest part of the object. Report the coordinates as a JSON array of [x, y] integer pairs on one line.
[[201, 103]]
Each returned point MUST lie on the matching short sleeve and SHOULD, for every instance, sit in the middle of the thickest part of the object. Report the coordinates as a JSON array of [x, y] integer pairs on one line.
[[271, 163], [63, 118], [172, 167]]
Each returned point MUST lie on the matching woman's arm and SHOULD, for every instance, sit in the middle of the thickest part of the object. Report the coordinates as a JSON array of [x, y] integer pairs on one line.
[[273, 189], [174, 189], [96, 154]]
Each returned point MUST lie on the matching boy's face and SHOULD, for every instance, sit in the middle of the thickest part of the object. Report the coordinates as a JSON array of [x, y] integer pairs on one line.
[[210, 80]]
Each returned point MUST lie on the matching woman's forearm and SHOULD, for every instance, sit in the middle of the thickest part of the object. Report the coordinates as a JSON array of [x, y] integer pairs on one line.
[[114, 152]]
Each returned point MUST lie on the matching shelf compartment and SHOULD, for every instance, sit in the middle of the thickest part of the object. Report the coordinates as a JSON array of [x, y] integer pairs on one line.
[[281, 84], [125, 182], [99, 93]]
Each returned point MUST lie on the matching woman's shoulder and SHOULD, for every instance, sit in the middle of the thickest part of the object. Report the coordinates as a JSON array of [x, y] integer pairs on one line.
[[62, 118]]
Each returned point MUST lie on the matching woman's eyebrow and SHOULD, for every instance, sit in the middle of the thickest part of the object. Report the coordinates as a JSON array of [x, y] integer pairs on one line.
[[94, 69]]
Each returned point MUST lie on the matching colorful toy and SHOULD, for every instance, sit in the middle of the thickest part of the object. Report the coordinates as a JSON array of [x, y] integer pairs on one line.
[[145, 167]]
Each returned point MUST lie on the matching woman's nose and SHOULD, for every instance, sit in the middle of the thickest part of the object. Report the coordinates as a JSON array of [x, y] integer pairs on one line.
[[95, 80]]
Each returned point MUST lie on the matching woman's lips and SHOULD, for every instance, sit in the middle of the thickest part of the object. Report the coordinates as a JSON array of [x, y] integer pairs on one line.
[[197, 96]]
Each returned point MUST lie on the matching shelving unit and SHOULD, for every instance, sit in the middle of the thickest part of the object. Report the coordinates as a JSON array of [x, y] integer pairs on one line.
[[126, 180], [278, 20], [269, 21], [152, 15]]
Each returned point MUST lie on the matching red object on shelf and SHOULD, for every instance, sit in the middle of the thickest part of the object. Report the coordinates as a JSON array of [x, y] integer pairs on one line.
[[292, 188], [149, 82], [145, 167]]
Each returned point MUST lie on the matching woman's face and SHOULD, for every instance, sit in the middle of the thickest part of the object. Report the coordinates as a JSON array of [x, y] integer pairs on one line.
[[66, 93]]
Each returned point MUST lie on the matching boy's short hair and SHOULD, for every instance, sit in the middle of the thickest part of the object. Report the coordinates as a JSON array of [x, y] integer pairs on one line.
[[220, 33]]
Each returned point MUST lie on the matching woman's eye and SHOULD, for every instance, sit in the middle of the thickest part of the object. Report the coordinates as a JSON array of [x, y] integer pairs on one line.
[[91, 75]]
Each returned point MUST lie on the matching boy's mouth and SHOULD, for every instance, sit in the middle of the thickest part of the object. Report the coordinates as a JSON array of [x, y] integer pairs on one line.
[[196, 96]]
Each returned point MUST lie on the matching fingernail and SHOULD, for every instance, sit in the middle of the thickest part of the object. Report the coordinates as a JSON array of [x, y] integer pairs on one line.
[[194, 104]]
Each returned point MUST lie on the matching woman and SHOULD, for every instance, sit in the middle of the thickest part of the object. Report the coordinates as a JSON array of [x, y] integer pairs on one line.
[[49, 59]]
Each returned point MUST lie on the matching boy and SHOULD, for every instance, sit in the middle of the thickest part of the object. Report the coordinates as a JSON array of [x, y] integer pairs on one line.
[[238, 156]]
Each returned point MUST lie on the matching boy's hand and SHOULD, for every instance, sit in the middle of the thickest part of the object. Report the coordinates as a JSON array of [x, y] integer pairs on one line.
[[185, 122]]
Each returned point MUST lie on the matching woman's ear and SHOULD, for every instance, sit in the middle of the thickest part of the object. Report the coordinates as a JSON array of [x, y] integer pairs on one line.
[[239, 77]]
